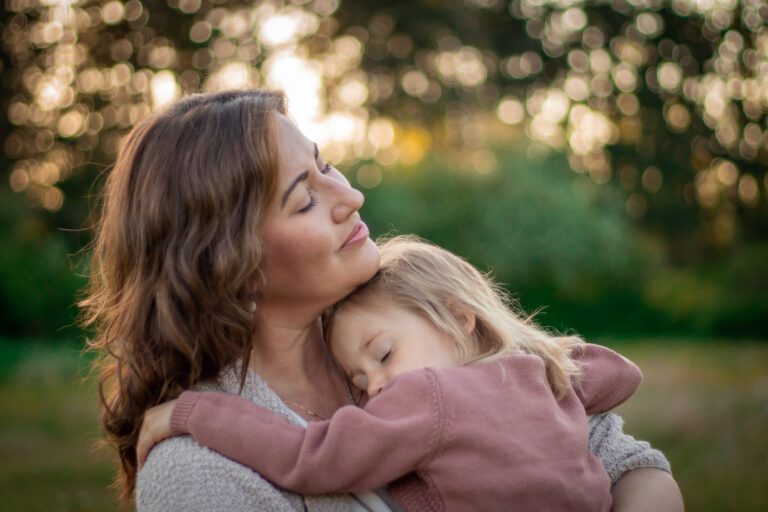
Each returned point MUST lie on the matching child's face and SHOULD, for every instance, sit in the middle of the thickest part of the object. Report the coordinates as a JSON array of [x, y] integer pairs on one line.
[[377, 339]]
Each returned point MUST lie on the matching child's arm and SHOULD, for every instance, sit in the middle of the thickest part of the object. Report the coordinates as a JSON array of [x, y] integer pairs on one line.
[[357, 449], [607, 378]]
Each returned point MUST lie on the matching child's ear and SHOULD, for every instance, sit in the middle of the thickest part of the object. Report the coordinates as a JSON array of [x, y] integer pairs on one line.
[[465, 316]]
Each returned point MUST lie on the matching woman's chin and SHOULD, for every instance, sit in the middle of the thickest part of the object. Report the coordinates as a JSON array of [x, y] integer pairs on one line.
[[373, 258], [366, 263]]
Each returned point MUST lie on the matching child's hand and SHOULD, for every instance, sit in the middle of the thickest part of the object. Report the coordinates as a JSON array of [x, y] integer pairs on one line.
[[155, 427]]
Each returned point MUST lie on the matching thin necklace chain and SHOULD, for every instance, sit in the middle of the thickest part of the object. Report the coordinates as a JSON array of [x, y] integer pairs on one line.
[[308, 411], [350, 395]]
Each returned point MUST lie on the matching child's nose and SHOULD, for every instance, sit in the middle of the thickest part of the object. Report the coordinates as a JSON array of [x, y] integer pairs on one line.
[[374, 388]]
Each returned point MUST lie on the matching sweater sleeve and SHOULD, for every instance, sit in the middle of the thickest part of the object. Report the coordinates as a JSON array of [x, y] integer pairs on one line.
[[357, 449], [182, 476], [607, 378], [619, 452]]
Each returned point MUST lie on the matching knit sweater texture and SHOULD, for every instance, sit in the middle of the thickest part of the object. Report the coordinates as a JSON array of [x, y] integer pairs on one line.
[[182, 475], [487, 436]]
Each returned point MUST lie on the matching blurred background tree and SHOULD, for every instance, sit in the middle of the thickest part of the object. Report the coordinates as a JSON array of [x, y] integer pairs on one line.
[[606, 158]]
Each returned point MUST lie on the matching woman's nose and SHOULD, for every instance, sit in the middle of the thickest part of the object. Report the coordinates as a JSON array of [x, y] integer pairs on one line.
[[347, 201]]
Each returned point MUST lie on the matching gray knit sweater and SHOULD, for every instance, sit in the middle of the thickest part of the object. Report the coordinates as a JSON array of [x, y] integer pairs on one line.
[[181, 475]]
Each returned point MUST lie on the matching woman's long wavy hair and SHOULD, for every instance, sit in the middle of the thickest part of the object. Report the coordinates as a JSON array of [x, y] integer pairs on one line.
[[176, 255], [447, 291]]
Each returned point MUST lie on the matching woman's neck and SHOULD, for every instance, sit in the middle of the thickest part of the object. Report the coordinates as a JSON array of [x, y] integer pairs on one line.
[[294, 361], [287, 350]]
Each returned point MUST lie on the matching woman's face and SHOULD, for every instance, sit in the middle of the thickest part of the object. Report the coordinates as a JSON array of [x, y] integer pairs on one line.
[[317, 248]]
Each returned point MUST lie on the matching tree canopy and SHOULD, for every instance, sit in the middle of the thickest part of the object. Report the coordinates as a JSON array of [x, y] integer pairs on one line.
[[663, 102]]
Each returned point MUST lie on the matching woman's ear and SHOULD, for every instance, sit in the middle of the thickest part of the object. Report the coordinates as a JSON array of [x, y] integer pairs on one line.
[[252, 295]]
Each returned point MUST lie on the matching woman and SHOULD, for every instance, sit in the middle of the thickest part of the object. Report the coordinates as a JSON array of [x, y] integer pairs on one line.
[[223, 237]]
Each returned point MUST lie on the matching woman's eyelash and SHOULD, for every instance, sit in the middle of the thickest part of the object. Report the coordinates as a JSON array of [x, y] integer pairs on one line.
[[312, 204], [312, 200]]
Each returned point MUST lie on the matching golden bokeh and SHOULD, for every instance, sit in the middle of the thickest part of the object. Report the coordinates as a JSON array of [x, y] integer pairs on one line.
[[88, 73]]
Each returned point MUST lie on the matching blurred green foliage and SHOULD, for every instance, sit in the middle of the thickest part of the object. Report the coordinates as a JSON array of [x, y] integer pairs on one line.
[[564, 245], [725, 297], [663, 228], [39, 275]]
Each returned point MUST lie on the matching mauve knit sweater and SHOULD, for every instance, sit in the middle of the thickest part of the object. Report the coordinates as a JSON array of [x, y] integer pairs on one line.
[[487, 436], [181, 475]]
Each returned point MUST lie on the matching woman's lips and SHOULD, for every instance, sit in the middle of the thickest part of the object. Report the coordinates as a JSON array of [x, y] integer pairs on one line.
[[359, 234]]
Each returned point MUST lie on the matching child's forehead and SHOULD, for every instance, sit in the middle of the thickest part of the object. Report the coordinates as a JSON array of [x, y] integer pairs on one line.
[[357, 320]]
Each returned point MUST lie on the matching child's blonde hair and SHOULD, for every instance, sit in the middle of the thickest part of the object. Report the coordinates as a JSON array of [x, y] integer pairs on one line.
[[444, 288]]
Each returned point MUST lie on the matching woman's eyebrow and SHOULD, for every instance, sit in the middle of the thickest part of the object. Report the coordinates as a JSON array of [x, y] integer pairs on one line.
[[301, 177]]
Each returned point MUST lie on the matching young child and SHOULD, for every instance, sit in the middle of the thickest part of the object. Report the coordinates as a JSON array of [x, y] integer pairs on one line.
[[471, 407]]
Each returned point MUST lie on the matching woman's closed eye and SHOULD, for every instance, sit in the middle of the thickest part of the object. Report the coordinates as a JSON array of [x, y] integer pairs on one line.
[[312, 203], [312, 200]]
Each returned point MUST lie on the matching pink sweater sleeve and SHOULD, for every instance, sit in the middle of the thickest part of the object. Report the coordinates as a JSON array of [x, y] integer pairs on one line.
[[607, 378], [356, 450]]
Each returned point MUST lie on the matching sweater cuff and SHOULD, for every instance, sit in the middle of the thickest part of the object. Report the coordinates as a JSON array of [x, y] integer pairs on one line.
[[181, 412]]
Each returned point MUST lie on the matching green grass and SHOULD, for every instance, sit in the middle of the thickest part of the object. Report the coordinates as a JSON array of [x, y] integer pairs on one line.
[[48, 432], [705, 404]]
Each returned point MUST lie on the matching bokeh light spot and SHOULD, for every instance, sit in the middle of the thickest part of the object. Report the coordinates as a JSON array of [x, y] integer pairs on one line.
[[510, 110], [112, 12], [165, 88], [369, 175]]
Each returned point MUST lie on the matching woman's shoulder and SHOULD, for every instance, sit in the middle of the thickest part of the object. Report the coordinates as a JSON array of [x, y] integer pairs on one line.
[[620, 452], [180, 474], [254, 388]]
